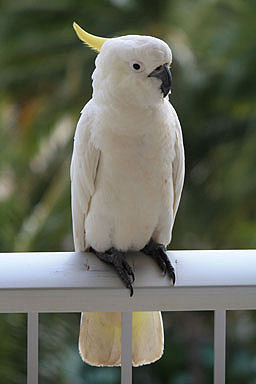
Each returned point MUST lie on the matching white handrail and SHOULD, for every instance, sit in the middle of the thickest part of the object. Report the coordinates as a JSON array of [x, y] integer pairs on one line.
[[75, 282], [71, 282]]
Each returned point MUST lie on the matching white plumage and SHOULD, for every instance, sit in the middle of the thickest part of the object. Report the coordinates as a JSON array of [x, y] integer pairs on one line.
[[127, 174]]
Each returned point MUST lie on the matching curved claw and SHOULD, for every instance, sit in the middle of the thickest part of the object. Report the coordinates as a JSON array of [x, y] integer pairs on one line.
[[168, 266], [158, 252], [129, 270], [131, 289], [116, 259], [173, 277]]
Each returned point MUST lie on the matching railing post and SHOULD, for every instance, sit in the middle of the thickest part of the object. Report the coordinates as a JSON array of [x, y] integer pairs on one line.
[[219, 346], [32, 348], [126, 368]]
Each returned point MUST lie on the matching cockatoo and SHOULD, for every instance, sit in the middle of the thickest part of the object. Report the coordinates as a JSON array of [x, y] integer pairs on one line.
[[127, 173]]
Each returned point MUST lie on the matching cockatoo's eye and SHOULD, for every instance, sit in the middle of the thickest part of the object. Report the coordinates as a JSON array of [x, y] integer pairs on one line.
[[137, 66]]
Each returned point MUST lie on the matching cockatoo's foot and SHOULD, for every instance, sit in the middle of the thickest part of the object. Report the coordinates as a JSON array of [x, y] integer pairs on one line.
[[116, 258], [158, 252]]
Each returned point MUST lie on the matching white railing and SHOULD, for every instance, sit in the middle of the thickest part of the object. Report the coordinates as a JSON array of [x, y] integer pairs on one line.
[[75, 282]]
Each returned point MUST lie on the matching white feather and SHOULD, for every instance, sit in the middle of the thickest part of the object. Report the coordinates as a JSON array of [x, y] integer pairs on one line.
[[83, 169], [127, 174], [100, 338]]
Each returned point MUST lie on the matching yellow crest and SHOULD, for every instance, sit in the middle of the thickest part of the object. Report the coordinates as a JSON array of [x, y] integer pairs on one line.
[[94, 42]]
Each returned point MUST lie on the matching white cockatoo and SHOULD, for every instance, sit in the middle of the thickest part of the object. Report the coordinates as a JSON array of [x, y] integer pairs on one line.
[[127, 174]]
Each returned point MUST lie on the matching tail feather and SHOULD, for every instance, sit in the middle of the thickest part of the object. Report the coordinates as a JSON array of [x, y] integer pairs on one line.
[[100, 338]]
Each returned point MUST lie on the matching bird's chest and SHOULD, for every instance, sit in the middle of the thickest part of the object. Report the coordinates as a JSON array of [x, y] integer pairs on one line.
[[137, 150], [145, 159]]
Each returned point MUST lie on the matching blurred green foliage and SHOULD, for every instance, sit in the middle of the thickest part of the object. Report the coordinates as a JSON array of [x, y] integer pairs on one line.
[[45, 79]]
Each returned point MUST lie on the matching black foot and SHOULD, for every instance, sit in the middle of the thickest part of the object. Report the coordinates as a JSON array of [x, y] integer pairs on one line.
[[116, 258], [158, 252]]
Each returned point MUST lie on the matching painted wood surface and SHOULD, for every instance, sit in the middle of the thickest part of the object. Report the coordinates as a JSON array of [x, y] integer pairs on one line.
[[126, 367], [71, 282], [219, 346], [32, 348]]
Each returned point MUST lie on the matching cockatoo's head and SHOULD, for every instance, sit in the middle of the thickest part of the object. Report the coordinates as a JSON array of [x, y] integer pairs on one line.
[[130, 69]]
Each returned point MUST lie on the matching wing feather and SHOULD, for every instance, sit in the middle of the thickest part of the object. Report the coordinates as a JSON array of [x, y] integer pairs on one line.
[[83, 172], [178, 169]]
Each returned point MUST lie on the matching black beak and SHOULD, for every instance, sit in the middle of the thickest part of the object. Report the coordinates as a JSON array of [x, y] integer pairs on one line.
[[163, 73]]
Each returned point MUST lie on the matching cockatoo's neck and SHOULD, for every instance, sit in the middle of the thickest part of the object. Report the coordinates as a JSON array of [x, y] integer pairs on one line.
[[120, 118], [130, 112], [127, 105]]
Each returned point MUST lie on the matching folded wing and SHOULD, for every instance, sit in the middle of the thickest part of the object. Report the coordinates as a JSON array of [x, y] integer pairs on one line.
[[178, 168], [83, 172]]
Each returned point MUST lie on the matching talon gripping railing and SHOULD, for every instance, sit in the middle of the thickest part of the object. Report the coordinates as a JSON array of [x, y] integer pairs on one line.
[[75, 282]]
